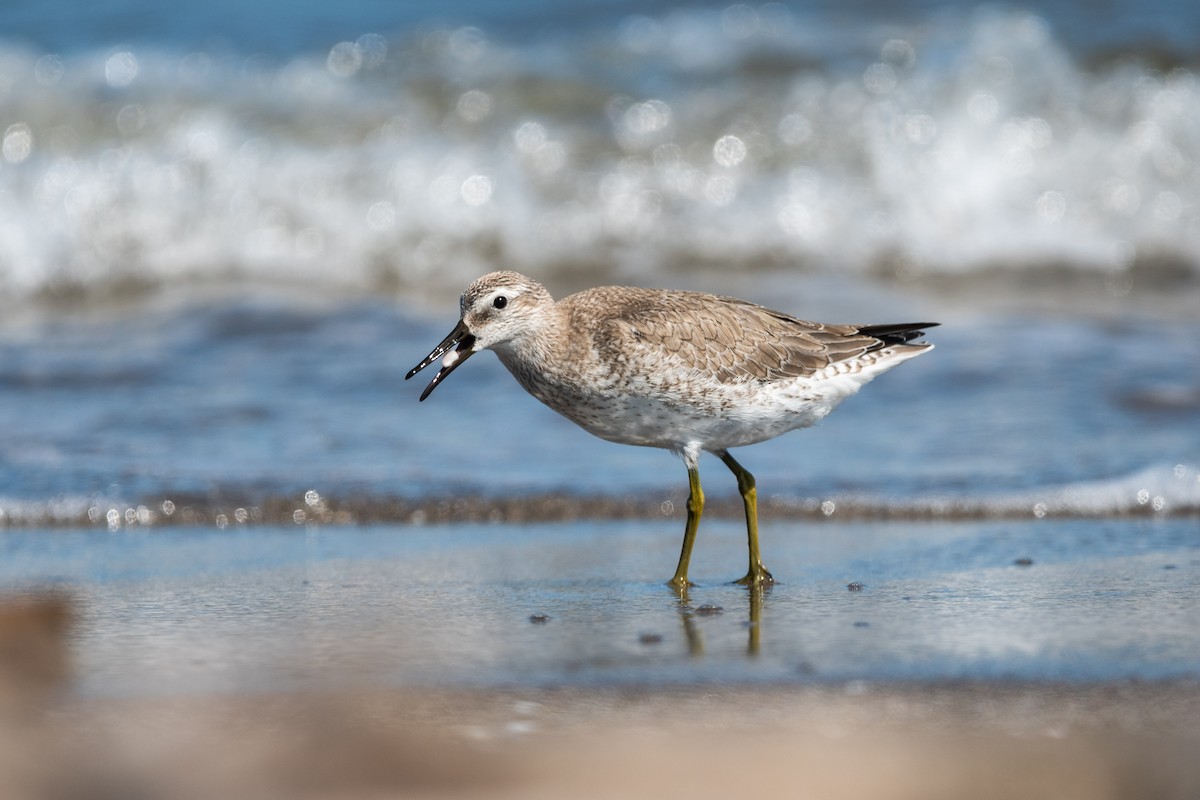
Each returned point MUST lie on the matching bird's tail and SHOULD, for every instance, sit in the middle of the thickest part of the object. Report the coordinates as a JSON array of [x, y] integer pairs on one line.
[[898, 333]]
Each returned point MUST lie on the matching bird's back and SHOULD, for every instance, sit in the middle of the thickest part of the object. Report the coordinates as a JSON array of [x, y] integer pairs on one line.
[[729, 340]]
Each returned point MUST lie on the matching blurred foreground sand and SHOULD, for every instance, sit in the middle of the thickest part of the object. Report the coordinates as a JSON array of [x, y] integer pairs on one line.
[[970, 741]]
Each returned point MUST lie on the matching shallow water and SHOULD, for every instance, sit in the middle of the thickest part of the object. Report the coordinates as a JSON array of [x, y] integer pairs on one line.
[[195, 610], [226, 234], [252, 404]]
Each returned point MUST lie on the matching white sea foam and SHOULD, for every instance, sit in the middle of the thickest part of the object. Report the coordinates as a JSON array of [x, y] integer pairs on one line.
[[1159, 491], [745, 137]]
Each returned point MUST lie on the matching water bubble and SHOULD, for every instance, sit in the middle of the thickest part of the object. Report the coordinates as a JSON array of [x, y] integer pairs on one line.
[[639, 33], [1145, 135], [739, 21], [467, 44], [195, 67], [550, 157], [1039, 510], [203, 145], [530, 137], [983, 107], [345, 59], [1169, 160], [879, 78], [898, 52], [797, 220], [113, 517], [1051, 206], [168, 507], [729, 151], [720, 190], [1143, 496], [48, 70], [18, 143], [311, 498], [1121, 196], [1029, 133], [794, 129], [666, 507], [647, 117], [241, 515], [373, 48], [222, 521], [298, 516], [121, 69], [474, 106], [920, 129], [476, 190], [828, 507], [1039, 133], [381, 216]]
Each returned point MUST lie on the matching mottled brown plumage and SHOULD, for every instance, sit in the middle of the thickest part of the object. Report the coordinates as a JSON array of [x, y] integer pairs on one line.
[[684, 371], [731, 339]]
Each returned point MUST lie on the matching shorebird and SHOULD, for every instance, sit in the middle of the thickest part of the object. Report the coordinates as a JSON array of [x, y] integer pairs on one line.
[[685, 371]]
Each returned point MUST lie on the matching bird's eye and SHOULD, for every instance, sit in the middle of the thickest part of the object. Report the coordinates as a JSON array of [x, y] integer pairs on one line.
[[500, 302]]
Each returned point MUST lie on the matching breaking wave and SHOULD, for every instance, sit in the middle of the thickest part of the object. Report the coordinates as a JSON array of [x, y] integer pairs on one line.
[[750, 138]]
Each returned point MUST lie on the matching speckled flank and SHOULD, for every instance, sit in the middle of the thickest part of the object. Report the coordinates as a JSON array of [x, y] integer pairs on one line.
[[685, 371]]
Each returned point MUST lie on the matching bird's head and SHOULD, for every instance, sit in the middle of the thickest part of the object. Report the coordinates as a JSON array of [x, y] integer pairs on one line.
[[495, 310]]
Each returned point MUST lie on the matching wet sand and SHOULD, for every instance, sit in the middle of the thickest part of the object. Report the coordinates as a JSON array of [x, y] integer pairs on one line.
[[990, 660], [942, 739], [922, 742]]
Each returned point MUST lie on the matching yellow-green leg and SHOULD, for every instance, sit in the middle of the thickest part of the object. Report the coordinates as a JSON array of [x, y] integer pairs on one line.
[[695, 507], [757, 575]]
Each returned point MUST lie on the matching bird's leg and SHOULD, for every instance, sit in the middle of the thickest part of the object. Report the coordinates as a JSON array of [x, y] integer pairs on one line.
[[695, 507], [757, 575]]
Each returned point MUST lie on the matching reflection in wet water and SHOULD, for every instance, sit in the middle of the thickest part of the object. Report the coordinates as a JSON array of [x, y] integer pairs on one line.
[[271, 608], [753, 619]]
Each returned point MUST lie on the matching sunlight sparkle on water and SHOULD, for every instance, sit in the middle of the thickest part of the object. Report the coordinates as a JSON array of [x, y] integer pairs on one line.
[[18, 143], [121, 69]]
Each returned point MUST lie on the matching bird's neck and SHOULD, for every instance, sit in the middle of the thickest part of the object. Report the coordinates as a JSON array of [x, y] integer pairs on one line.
[[536, 358]]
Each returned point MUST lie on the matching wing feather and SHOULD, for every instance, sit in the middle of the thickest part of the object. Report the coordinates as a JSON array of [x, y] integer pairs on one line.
[[730, 339]]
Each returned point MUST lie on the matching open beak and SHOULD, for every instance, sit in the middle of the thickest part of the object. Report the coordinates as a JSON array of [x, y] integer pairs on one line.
[[454, 350]]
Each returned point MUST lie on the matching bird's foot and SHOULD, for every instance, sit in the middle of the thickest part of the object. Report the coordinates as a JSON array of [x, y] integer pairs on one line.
[[756, 577], [680, 583]]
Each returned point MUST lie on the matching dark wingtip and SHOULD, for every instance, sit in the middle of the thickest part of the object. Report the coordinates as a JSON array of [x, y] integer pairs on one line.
[[898, 333]]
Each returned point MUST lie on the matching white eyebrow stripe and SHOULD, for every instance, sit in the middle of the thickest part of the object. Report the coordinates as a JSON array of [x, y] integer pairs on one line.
[[509, 292]]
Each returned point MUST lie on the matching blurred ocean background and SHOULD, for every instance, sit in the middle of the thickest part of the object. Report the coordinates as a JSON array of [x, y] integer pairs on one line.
[[227, 230]]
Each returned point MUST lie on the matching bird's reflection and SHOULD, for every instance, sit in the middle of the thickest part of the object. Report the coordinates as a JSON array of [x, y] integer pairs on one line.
[[688, 613]]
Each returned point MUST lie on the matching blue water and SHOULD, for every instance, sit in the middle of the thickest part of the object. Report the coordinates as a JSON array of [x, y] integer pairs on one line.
[[227, 230], [202, 610], [284, 29], [249, 403]]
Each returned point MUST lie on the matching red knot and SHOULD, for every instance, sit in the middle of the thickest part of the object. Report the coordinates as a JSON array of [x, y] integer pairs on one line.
[[684, 371]]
